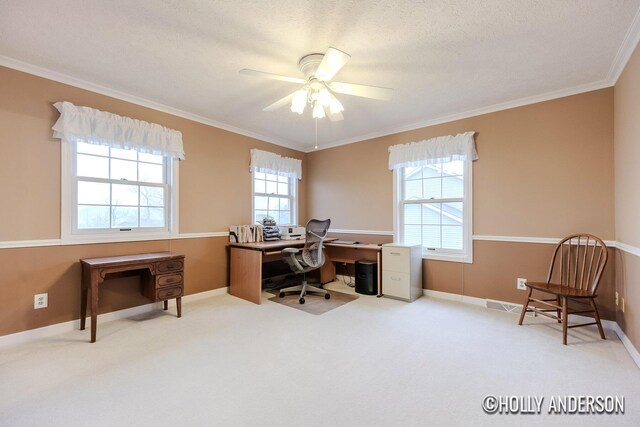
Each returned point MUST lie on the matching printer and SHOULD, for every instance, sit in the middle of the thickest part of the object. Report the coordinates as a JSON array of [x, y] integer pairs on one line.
[[291, 232]]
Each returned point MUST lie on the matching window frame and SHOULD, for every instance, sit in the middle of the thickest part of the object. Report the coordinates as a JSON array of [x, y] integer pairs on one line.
[[69, 196], [293, 197], [466, 254]]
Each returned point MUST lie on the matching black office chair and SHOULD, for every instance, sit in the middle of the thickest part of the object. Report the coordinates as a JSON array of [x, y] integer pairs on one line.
[[310, 259]]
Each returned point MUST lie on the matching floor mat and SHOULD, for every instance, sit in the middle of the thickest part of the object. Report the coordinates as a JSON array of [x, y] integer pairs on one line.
[[314, 304]]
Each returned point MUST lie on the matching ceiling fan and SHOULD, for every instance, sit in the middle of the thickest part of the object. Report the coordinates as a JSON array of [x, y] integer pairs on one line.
[[319, 90]]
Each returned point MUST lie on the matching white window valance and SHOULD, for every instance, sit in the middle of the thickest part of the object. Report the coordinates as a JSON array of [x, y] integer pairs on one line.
[[267, 162], [102, 128], [442, 149]]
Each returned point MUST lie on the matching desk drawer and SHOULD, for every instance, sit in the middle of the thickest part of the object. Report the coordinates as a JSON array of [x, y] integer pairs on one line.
[[173, 265], [168, 293], [169, 280]]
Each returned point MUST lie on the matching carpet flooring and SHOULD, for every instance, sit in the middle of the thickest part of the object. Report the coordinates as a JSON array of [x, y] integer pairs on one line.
[[371, 362]]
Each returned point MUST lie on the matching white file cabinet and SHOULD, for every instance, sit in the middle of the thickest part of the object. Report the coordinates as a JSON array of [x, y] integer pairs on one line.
[[402, 271]]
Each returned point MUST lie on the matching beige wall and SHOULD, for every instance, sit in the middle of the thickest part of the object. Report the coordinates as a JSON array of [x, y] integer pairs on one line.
[[627, 193], [545, 170], [215, 191]]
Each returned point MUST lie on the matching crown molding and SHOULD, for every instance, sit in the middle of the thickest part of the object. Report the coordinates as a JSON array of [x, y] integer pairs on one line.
[[113, 93], [561, 93], [625, 51]]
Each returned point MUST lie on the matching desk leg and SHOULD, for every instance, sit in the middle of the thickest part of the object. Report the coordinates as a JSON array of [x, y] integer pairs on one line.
[[379, 274], [178, 305], [94, 309], [84, 294], [166, 304], [246, 274]]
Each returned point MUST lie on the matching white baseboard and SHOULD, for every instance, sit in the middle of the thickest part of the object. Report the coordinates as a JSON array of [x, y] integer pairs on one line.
[[60, 328], [606, 324]]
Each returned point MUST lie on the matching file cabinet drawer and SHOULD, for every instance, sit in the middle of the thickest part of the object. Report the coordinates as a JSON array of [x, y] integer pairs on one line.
[[396, 259], [396, 285]]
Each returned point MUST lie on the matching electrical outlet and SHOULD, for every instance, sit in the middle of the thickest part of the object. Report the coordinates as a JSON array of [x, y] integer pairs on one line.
[[617, 298], [520, 284], [40, 301]]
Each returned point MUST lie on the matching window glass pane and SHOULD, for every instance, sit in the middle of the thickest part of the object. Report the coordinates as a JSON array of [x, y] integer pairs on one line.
[[432, 188], [452, 213], [412, 214], [151, 158], [412, 173], [272, 187], [124, 217], [271, 177], [275, 215], [412, 234], [432, 171], [285, 217], [92, 166], [93, 193], [260, 216], [452, 187], [261, 203], [151, 196], [93, 216], [124, 169], [122, 194], [151, 217], [101, 150], [452, 237], [274, 204], [259, 186], [284, 204], [283, 179], [431, 213], [431, 236], [150, 173], [413, 190], [124, 154], [260, 175], [283, 189], [453, 168]]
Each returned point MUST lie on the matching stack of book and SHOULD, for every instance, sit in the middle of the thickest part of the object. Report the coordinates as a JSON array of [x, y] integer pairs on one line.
[[245, 233]]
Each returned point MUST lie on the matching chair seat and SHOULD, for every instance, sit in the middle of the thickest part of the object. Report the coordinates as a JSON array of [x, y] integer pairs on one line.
[[562, 290]]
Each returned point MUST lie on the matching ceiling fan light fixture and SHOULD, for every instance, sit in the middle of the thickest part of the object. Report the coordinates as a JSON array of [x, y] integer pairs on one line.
[[335, 106], [324, 97], [318, 111], [299, 101]]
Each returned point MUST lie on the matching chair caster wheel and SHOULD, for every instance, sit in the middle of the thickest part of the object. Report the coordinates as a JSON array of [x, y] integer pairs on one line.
[[281, 294], [327, 296], [301, 300]]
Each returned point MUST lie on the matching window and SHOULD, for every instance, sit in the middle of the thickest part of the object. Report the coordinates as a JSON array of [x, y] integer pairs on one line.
[[274, 196], [116, 191], [434, 209]]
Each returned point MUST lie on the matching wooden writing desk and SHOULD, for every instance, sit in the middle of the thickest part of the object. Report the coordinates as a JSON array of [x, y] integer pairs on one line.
[[246, 263], [162, 279]]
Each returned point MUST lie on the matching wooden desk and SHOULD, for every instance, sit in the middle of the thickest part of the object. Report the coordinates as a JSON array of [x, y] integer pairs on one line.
[[162, 277], [246, 265], [349, 254]]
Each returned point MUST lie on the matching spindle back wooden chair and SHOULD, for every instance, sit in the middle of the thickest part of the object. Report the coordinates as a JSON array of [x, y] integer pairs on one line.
[[574, 274]]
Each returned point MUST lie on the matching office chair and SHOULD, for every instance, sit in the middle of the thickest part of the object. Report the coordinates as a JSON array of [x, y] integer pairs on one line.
[[310, 259]]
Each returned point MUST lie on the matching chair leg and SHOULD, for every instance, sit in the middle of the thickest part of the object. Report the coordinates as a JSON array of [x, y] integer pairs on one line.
[[558, 310], [565, 319], [597, 316], [525, 306]]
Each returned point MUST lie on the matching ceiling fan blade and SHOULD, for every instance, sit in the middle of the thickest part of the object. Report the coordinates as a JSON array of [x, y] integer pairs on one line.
[[281, 102], [374, 92], [335, 117], [255, 73], [332, 62]]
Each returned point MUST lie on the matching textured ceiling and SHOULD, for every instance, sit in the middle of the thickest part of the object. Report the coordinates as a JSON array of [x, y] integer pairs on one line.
[[441, 57]]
